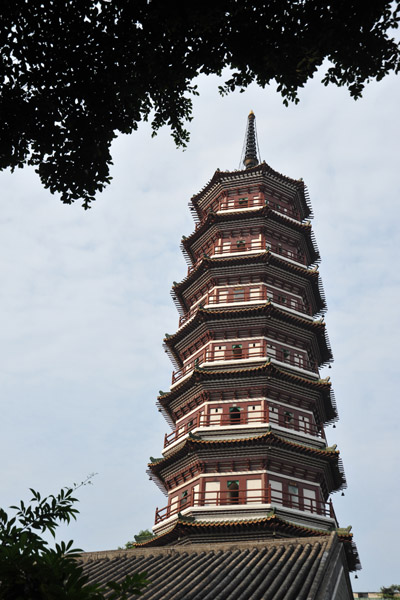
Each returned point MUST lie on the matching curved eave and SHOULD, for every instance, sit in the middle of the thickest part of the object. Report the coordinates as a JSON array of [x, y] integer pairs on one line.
[[268, 308], [206, 314], [219, 177], [206, 263], [270, 438], [272, 521], [335, 481], [268, 368], [217, 218]]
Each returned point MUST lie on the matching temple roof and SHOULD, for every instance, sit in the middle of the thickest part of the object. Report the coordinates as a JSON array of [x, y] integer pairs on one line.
[[300, 568]]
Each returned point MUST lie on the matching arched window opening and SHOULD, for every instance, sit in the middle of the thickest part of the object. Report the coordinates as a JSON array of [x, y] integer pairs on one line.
[[237, 350], [233, 492], [234, 415]]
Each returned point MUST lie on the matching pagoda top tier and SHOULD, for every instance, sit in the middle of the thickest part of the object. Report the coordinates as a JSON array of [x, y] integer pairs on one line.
[[257, 177]]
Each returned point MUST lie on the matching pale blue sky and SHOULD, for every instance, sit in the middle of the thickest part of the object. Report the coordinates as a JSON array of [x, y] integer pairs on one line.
[[85, 304]]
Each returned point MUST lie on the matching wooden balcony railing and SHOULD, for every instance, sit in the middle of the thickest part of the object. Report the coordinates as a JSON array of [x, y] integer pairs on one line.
[[298, 360], [240, 203], [236, 248], [212, 355], [246, 497], [231, 204], [262, 295], [243, 417], [289, 212], [246, 295], [224, 204]]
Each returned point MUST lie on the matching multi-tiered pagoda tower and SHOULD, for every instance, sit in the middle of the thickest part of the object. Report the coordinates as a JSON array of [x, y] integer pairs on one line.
[[247, 458]]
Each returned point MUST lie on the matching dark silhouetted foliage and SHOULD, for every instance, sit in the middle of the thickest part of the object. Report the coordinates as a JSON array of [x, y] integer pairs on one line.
[[143, 536], [390, 592], [74, 73], [31, 569]]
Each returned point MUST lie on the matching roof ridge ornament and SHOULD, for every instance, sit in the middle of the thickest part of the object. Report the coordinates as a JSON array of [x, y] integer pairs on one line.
[[250, 146]]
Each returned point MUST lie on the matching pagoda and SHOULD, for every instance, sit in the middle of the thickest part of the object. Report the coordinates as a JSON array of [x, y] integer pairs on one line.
[[247, 458]]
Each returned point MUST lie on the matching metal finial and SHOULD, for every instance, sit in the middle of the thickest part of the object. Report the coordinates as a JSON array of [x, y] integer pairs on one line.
[[250, 157]]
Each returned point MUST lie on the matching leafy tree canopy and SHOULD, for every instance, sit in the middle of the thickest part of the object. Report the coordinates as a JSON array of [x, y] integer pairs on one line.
[[74, 73], [142, 536], [31, 569], [390, 592]]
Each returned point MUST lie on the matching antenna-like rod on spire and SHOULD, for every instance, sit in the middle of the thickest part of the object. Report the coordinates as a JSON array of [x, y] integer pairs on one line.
[[250, 153]]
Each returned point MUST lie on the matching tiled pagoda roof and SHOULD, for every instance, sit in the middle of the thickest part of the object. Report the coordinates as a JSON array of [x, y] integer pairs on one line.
[[270, 439], [211, 314], [264, 211], [268, 369], [212, 217], [268, 366], [240, 260]]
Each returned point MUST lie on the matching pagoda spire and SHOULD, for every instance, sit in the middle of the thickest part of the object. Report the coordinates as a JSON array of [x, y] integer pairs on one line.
[[250, 157]]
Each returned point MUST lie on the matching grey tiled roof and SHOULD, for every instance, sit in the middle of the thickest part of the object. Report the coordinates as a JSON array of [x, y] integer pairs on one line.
[[303, 568]]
